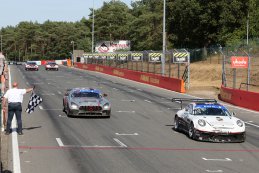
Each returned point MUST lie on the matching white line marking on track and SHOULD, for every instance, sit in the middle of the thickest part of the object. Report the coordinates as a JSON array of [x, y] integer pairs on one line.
[[124, 134], [251, 124], [50, 94], [60, 143], [119, 142], [126, 111], [139, 89], [214, 171], [115, 89], [16, 155], [41, 108], [148, 101], [128, 100], [60, 92], [224, 160]]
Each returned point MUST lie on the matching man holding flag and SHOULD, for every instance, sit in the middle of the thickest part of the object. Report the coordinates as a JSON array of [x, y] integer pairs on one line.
[[14, 97]]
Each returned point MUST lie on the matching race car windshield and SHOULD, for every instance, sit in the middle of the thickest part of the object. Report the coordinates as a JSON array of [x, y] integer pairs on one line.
[[211, 111], [31, 63], [86, 94], [51, 63]]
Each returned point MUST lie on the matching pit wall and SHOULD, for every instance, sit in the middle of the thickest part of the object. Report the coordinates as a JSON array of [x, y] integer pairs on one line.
[[147, 78], [246, 99]]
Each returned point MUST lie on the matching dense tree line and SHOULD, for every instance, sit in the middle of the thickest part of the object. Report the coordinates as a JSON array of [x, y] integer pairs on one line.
[[190, 24]]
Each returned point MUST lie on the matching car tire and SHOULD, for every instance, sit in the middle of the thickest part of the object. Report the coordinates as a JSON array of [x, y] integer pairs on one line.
[[108, 114], [176, 124], [191, 132], [68, 112]]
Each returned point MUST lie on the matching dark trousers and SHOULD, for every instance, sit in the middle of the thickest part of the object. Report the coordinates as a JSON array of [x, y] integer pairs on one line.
[[14, 108]]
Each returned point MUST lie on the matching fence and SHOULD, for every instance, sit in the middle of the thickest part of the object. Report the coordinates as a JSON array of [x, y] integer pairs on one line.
[[240, 68], [176, 62]]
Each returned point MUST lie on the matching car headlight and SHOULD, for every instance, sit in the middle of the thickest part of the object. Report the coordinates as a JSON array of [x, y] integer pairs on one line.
[[106, 106], [240, 123], [202, 122], [74, 106]]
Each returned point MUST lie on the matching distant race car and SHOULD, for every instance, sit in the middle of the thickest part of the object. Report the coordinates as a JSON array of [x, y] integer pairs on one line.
[[51, 66], [30, 65], [207, 120], [86, 102]]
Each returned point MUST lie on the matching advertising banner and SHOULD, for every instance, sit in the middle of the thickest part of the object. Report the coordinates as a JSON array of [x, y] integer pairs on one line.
[[239, 62], [112, 46]]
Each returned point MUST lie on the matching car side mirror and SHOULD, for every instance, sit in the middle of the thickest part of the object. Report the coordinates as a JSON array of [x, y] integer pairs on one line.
[[233, 114], [105, 95]]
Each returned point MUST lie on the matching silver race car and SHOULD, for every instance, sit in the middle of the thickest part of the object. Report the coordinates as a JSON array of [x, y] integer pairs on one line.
[[86, 102], [207, 120]]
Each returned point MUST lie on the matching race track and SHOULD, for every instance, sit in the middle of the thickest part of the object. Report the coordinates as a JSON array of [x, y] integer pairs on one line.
[[138, 138]]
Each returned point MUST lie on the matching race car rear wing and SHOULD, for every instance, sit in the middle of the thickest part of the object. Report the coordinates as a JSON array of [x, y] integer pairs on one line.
[[181, 100]]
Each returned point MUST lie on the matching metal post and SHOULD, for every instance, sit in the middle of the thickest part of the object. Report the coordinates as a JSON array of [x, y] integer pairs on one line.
[[1, 43], [93, 30], [189, 68], [248, 73], [73, 43], [164, 39], [247, 29], [234, 77]]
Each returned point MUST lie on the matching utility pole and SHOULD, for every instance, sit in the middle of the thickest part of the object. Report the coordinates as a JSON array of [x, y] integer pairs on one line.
[[93, 30], [247, 29], [73, 44], [1, 43], [164, 40]]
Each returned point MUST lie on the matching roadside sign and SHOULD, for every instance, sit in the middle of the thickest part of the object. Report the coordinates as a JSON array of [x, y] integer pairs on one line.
[[180, 57], [239, 62], [136, 56], [155, 57]]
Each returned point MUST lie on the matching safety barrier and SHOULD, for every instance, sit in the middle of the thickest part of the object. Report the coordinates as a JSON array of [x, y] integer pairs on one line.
[[151, 79], [246, 99], [4, 87]]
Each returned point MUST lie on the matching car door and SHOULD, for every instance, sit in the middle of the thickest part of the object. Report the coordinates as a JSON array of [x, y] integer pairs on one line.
[[187, 115]]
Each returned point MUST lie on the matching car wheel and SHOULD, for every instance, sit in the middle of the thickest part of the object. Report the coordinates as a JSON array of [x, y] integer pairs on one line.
[[191, 132], [68, 112], [176, 123], [108, 114]]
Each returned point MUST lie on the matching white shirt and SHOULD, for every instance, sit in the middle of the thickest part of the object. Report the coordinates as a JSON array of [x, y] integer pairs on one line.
[[15, 95]]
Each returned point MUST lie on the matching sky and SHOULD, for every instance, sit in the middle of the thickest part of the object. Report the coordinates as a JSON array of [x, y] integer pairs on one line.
[[12, 12]]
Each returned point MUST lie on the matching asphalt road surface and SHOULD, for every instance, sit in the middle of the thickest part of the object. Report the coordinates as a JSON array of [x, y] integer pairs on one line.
[[138, 138]]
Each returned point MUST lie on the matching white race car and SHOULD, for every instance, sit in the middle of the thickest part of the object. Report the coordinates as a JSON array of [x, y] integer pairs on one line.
[[207, 120]]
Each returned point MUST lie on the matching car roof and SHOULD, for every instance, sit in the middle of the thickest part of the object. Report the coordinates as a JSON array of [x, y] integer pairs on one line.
[[86, 90], [209, 105]]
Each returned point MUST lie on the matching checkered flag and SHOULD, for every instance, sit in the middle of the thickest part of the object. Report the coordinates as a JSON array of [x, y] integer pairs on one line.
[[34, 101]]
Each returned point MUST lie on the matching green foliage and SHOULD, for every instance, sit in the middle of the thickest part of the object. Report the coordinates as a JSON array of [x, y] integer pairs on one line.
[[189, 24]]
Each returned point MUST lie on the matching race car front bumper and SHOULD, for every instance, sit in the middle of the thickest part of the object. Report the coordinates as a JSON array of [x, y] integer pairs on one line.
[[220, 137], [32, 68]]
